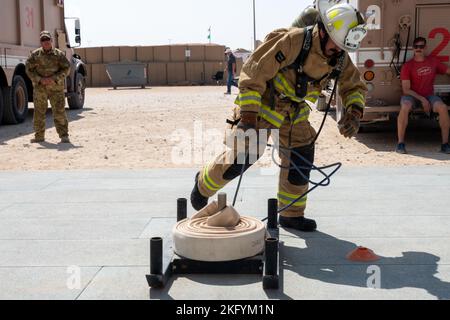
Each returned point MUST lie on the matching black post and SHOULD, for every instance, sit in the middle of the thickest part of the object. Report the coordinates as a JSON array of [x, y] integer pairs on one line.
[[156, 256], [181, 209], [271, 257], [272, 215]]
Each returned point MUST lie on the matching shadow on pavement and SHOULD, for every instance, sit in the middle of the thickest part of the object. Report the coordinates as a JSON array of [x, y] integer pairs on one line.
[[9, 132], [411, 270], [423, 137]]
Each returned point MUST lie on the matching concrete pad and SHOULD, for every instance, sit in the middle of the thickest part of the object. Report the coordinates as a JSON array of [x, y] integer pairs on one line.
[[126, 283], [85, 211], [33, 229], [79, 253], [44, 283]]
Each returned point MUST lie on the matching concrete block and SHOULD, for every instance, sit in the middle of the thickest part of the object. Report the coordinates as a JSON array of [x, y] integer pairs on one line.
[[99, 76], [211, 68], [195, 72], [94, 55], [178, 53], [214, 52], [127, 53], [111, 54], [176, 73], [157, 74], [161, 53], [145, 54]]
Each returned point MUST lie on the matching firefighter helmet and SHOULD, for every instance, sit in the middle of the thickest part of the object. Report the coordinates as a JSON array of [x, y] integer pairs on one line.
[[343, 23]]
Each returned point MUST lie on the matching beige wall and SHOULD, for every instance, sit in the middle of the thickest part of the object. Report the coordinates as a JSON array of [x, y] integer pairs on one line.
[[166, 65]]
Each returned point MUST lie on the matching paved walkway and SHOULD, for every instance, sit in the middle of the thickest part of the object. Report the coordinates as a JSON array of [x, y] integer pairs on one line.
[[54, 224]]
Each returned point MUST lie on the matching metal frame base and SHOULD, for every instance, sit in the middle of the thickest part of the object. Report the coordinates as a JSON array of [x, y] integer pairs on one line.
[[164, 266]]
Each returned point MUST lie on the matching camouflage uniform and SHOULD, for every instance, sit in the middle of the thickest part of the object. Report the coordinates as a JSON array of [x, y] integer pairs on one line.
[[291, 114], [52, 64]]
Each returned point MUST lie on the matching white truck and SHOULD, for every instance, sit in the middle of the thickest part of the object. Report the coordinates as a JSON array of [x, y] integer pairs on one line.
[[393, 25], [21, 21]]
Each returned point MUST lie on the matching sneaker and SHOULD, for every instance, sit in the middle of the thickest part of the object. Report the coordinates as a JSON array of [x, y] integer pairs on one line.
[[298, 223], [37, 140], [401, 148], [198, 201], [445, 148], [65, 140]]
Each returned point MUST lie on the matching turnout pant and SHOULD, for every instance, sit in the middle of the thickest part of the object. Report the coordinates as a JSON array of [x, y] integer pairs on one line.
[[297, 136], [56, 96]]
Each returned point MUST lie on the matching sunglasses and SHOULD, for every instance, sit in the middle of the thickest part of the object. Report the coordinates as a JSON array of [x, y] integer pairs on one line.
[[419, 46]]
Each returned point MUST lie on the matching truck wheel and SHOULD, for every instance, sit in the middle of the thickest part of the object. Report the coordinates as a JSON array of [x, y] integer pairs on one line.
[[1, 104], [76, 99], [15, 102]]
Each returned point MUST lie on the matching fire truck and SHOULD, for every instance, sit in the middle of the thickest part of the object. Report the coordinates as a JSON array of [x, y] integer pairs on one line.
[[21, 22], [393, 25]]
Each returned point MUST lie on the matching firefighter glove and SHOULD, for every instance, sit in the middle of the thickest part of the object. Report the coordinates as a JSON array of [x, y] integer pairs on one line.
[[349, 125]]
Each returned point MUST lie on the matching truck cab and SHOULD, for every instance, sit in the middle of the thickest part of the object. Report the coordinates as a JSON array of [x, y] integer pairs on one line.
[[393, 25], [21, 23]]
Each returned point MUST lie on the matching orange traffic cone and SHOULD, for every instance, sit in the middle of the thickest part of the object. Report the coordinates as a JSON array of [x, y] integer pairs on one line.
[[362, 254]]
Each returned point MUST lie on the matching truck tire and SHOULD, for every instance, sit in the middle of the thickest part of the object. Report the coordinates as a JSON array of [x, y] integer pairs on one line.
[[2, 104], [76, 99], [15, 102]]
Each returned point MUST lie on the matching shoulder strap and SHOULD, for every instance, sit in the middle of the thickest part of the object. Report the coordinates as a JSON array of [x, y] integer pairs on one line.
[[306, 47]]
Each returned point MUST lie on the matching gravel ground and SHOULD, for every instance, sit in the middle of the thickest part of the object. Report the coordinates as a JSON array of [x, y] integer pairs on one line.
[[142, 128]]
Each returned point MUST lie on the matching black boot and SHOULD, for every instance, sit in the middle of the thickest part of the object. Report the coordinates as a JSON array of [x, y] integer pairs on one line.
[[298, 223], [198, 201]]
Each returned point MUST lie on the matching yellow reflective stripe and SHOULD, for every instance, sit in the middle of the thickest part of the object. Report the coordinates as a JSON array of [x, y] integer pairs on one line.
[[355, 95], [249, 98], [313, 96], [271, 116], [288, 89], [210, 184], [286, 198], [302, 118], [357, 101]]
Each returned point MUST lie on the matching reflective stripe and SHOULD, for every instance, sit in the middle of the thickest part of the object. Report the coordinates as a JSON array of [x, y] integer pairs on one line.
[[333, 14], [313, 96], [209, 183], [283, 87], [249, 98], [302, 116], [287, 198], [272, 117], [355, 98]]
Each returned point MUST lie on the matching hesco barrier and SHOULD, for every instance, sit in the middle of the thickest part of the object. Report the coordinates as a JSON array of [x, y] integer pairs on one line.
[[186, 64]]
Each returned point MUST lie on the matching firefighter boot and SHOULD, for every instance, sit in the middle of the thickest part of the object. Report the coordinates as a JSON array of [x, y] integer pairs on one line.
[[298, 223], [198, 201]]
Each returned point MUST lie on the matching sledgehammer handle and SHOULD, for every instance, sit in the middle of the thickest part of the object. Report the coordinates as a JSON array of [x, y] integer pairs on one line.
[[222, 200]]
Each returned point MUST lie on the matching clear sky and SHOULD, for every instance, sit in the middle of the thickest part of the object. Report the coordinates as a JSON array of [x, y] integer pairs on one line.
[[151, 22]]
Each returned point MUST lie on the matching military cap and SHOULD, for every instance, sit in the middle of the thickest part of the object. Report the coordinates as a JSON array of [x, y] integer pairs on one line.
[[45, 35]]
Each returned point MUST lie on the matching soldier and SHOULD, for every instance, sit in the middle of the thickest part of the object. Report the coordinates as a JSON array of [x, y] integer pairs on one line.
[[47, 67], [291, 67]]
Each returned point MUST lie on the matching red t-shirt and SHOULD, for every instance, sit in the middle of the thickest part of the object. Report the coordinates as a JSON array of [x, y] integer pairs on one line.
[[422, 74]]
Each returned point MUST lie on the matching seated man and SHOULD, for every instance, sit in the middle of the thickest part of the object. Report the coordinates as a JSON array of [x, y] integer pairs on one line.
[[418, 77]]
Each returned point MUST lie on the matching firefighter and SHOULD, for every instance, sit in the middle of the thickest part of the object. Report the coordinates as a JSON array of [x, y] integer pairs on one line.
[[47, 67], [270, 98]]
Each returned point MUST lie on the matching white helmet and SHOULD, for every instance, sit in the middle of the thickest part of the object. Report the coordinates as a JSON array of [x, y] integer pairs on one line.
[[344, 24]]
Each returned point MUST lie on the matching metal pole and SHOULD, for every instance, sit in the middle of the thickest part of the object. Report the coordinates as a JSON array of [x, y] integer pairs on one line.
[[272, 214], [181, 209], [254, 26], [271, 257], [156, 256]]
